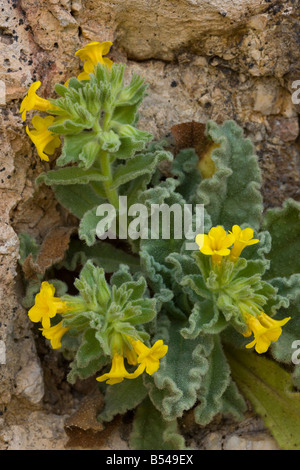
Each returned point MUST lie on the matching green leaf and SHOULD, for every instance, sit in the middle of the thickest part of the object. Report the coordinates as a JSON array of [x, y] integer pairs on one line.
[[68, 127], [184, 168], [152, 432], [233, 402], [129, 147], [28, 245], [109, 141], [61, 89], [89, 349], [78, 198], [289, 289], [89, 154], [122, 397], [70, 175], [140, 164], [103, 254], [173, 388], [88, 227], [132, 93], [126, 114], [215, 383], [73, 146], [232, 195], [284, 227], [92, 368], [93, 287], [269, 388], [205, 318]]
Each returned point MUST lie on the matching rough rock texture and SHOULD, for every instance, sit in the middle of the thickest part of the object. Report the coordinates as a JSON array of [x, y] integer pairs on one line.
[[218, 59]]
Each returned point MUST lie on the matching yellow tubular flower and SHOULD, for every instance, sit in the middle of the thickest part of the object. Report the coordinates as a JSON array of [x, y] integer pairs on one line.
[[243, 238], [33, 101], [216, 243], [55, 334], [265, 330], [46, 305], [149, 357], [43, 139], [92, 54], [118, 372]]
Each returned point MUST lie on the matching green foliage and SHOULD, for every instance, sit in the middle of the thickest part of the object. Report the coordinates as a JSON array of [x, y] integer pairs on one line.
[[154, 289], [164, 435], [173, 388], [283, 224], [122, 397], [232, 195], [269, 388]]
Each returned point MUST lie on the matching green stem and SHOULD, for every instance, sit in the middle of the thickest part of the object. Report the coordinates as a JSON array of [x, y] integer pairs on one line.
[[111, 194]]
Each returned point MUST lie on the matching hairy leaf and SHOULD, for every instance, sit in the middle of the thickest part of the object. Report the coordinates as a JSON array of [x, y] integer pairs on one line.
[[152, 432], [232, 195], [122, 397], [269, 388], [284, 227], [173, 388]]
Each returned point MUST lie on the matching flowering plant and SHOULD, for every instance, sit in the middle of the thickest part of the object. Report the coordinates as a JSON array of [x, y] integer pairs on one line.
[[162, 329]]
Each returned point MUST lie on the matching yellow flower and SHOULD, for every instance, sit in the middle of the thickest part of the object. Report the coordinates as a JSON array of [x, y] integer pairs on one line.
[[265, 330], [33, 101], [88, 68], [216, 243], [55, 334], [43, 139], [149, 357], [138, 353], [243, 238], [118, 372], [46, 305], [92, 54]]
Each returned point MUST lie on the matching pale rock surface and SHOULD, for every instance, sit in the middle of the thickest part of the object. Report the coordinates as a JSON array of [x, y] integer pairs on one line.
[[203, 59]]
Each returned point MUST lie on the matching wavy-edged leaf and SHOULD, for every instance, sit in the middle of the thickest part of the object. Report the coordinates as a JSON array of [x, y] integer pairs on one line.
[[122, 397], [140, 164], [284, 226], [173, 388], [89, 349], [232, 195], [152, 432], [89, 228], [70, 175], [103, 254], [79, 198], [72, 147], [216, 382], [284, 349]]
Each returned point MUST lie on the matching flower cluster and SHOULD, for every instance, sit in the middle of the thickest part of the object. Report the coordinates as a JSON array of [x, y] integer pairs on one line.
[[44, 140], [139, 354], [111, 313], [218, 241], [265, 329], [220, 245]]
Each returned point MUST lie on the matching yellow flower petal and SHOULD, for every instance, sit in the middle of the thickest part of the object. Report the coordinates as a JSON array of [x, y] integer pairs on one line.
[[46, 305], [243, 238], [55, 334], [149, 357], [265, 330], [216, 243], [118, 372], [42, 138], [93, 53], [33, 101]]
